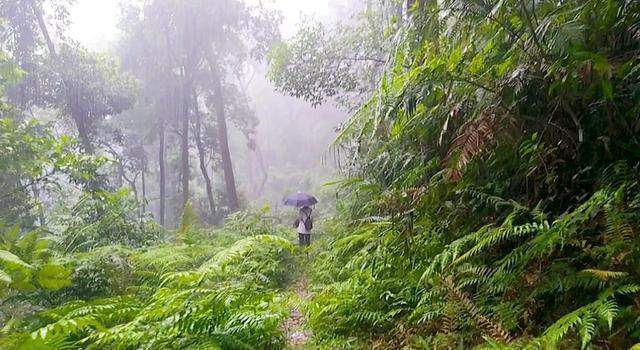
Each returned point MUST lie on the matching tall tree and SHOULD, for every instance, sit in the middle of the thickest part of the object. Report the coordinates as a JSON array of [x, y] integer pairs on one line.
[[227, 165], [201, 153], [86, 87], [161, 169], [238, 33], [184, 145], [200, 44], [151, 51]]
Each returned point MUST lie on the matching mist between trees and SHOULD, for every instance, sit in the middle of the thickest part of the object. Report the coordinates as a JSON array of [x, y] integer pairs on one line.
[[179, 105]]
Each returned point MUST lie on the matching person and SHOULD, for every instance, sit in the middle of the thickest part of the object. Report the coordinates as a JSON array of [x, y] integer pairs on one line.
[[304, 224]]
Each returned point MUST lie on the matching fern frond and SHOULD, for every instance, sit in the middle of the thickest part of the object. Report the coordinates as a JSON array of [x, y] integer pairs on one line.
[[604, 309], [473, 139], [487, 326], [494, 236], [604, 275], [67, 327], [617, 226], [5, 277]]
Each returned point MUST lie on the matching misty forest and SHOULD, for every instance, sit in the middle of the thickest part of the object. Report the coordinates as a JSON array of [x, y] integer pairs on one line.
[[319, 174]]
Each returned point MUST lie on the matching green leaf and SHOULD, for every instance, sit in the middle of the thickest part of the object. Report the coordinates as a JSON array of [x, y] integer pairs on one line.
[[35, 344], [54, 277], [10, 236], [9, 259], [5, 277]]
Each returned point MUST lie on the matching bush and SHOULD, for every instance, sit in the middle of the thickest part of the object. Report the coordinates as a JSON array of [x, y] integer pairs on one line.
[[105, 271], [104, 218]]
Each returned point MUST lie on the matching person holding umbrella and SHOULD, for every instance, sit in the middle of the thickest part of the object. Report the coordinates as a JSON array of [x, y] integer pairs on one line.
[[304, 222]]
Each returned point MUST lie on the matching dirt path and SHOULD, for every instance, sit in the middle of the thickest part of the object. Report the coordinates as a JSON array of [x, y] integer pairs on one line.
[[293, 326]]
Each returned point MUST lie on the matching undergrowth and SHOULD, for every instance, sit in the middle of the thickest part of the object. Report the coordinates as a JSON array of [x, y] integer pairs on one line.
[[491, 192], [222, 290]]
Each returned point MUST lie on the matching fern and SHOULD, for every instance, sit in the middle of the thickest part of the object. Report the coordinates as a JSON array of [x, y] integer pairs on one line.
[[473, 139], [606, 275], [196, 303], [605, 309]]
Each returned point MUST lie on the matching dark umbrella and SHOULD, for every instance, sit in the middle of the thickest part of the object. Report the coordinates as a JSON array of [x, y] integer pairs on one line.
[[299, 199]]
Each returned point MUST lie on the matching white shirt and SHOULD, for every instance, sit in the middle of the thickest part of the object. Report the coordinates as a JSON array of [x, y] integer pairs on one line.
[[302, 228], [303, 218]]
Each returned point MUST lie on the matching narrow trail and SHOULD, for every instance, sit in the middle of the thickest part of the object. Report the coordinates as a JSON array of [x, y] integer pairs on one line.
[[293, 326]]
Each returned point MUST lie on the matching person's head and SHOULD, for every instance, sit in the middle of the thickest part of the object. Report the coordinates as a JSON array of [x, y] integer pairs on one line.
[[305, 210]]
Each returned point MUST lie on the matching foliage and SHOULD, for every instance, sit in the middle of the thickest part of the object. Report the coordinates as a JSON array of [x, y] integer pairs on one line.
[[9, 74], [104, 218], [28, 267], [491, 197], [254, 221], [89, 87], [174, 295], [341, 63], [493, 193], [82, 262], [189, 231], [105, 271], [32, 158]]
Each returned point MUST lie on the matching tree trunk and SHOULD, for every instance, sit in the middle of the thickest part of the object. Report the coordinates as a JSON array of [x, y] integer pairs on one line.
[[263, 169], [257, 170], [201, 155], [78, 117], [144, 189], [83, 132], [132, 184], [43, 28], [184, 149], [120, 175], [162, 170], [36, 195], [227, 166]]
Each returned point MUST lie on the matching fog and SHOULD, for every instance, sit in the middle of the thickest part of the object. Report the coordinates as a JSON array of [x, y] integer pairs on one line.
[[94, 23], [277, 143]]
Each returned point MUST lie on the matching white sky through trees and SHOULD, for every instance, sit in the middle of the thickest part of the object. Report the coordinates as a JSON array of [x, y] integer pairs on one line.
[[95, 26], [95, 21]]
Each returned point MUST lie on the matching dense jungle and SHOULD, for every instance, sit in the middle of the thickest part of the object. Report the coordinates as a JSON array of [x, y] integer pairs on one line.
[[476, 167]]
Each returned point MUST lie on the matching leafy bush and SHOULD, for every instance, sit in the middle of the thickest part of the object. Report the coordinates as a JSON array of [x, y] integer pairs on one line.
[[255, 221], [103, 218], [26, 263], [103, 272]]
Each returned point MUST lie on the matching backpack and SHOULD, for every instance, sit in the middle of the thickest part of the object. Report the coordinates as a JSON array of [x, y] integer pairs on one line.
[[308, 224]]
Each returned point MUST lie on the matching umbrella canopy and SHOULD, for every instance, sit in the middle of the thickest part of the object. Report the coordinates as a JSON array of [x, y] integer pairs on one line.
[[299, 199]]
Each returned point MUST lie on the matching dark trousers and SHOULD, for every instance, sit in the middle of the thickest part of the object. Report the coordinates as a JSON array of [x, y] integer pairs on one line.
[[305, 239]]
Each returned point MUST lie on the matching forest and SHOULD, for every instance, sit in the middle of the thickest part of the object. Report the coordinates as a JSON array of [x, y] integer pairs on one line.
[[476, 165]]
